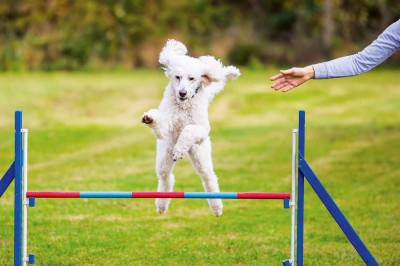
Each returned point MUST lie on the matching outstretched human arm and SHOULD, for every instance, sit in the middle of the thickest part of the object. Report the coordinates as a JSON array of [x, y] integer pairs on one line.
[[378, 51], [374, 54]]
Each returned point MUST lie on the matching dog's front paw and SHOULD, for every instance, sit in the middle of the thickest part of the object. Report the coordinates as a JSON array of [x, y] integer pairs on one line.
[[150, 118], [147, 119]]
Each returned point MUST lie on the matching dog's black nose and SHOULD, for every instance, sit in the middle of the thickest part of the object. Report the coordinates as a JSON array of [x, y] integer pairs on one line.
[[182, 93]]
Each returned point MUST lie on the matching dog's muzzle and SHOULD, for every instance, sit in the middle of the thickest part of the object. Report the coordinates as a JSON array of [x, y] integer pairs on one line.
[[182, 95]]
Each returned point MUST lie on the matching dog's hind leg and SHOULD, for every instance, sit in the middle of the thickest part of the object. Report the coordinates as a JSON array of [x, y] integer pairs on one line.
[[200, 155], [164, 167]]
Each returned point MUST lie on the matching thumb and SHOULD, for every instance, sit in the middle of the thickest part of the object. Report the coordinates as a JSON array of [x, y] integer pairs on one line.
[[288, 71]]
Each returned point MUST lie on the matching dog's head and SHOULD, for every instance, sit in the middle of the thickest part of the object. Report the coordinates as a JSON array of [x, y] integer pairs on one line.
[[189, 75]]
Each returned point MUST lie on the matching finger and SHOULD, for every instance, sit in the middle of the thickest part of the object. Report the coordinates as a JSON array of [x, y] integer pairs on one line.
[[276, 83], [277, 77], [288, 88], [282, 85]]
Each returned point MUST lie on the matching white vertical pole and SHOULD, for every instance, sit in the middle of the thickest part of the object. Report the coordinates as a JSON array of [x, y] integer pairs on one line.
[[293, 201], [24, 199]]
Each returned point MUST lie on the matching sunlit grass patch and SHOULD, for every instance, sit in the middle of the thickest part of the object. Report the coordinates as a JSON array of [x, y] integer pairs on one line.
[[85, 134]]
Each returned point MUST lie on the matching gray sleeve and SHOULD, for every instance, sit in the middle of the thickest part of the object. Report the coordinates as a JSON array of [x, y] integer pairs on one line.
[[384, 46]]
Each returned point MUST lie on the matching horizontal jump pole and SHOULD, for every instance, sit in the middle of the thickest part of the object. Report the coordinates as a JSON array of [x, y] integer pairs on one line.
[[187, 195]]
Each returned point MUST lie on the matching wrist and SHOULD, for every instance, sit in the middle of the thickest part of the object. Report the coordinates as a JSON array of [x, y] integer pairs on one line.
[[309, 72]]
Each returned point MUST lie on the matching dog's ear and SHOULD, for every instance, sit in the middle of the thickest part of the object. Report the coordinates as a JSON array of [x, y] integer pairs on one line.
[[210, 76], [206, 79], [215, 75], [171, 48], [213, 69], [231, 72]]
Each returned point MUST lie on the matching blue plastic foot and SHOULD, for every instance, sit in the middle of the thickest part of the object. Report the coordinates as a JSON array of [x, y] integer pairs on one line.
[[286, 263], [31, 258]]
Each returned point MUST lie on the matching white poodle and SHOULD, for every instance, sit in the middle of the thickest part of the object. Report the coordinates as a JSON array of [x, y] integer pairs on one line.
[[180, 123]]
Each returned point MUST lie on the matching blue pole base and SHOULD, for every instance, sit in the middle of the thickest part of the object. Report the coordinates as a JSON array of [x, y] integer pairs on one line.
[[31, 258]]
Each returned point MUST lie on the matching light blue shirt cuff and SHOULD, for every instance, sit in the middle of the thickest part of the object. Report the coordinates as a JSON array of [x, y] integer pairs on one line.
[[320, 71]]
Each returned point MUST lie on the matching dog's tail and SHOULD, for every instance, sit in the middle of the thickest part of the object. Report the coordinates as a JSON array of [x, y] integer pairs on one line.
[[231, 72]]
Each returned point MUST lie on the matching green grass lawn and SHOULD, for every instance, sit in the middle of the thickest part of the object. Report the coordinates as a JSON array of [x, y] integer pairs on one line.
[[85, 134]]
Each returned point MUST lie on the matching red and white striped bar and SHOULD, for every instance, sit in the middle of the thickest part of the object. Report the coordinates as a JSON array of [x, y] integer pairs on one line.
[[187, 195]]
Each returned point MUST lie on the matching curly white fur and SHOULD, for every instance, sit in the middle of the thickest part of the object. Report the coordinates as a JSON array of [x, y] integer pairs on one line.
[[180, 123]]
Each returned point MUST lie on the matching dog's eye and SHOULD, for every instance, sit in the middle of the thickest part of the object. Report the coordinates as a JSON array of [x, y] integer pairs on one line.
[[191, 78], [178, 77]]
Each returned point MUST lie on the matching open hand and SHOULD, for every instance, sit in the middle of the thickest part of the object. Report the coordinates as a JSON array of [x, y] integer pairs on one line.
[[291, 78]]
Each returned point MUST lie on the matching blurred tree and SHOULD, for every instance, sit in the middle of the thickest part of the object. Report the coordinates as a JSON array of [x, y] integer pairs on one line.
[[72, 34], [328, 26]]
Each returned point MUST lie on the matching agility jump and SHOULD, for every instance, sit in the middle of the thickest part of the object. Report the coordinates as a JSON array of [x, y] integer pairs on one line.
[[23, 198]]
